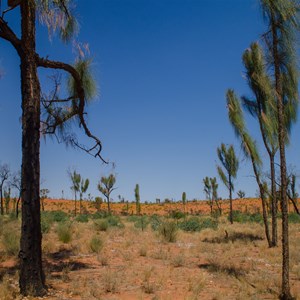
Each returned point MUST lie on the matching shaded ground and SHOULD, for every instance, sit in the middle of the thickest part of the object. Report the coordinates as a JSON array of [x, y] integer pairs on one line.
[[135, 264]]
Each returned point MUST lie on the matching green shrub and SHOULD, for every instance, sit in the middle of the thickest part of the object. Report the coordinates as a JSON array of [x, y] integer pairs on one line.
[[100, 215], [176, 214], [133, 218], [96, 244], [82, 218], [56, 216], [294, 218], [64, 232], [11, 240], [114, 221], [240, 217], [155, 222], [101, 225], [168, 231], [46, 222], [196, 224], [142, 222]]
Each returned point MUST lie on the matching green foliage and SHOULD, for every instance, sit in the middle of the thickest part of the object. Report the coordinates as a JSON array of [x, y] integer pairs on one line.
[[246, 217], [82, 218], [168, 231], [101, 225], [137, 199], [83, 67], [177, 214], [230, 162], [100, 215], [183, 198], [155, 222], [46, 222], [11, 239], [241, 194], [54, 216], [142, 222], [96, 244], [133, 218], [294, 218], [106, 186], [64, 232], [197, 224], [114, 221]]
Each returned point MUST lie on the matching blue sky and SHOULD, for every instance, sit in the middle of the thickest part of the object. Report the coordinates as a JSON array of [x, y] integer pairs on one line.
[[163, 68]]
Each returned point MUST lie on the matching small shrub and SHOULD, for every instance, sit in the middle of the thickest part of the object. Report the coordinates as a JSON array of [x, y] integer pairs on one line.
[[148, 285], [11, 241], [110, 282], [168, 231], [100, 215], [142, 222], [240, 217], [114, 221], [96, 244], [101, 225], [178, 260], [196, 224], [133, 218], [58, 216], [82, 218], [46, 222], [155, 222], [64, 232], [294, 218], [177, 214]]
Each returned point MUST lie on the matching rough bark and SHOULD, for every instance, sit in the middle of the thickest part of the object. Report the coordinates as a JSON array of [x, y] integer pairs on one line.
[[230, 200], [32, 279], [274, 202], [285, 289]]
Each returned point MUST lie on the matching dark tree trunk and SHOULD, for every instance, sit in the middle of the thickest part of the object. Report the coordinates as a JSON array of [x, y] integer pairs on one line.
[[294, 204], [17, 207], [2, 204], [263, 200], [230, 201], [265, 216], [285, 290], [108, 204], [32, 280], [75, 204], [274, 202]]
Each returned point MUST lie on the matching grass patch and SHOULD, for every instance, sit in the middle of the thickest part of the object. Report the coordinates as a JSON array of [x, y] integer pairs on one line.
[[64, 232], [96, 244], [82, 218], [168, 231]]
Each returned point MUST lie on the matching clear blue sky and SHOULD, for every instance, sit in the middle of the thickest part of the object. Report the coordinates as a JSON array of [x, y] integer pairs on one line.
[[163, 67]]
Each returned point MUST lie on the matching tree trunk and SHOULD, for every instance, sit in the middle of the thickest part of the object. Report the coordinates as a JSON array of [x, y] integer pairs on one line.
[[17, 207], [230, 201], [108, 204], [32, 279], [265, 216], [75, 204], [274, 202], [285, 289], [2, 204]]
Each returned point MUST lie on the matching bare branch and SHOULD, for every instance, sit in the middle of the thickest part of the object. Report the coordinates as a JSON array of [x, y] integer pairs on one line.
[[79, 111], [7, 34]]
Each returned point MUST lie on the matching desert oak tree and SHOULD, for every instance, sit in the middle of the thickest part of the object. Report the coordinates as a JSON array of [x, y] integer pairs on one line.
[[57, 16]]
